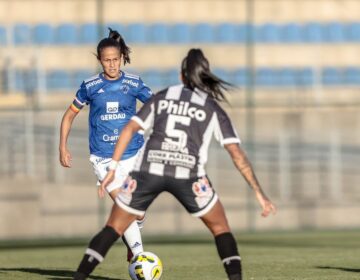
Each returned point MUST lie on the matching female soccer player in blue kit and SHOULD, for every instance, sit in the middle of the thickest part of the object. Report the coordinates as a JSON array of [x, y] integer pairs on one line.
[[112, 97], [182, 120]]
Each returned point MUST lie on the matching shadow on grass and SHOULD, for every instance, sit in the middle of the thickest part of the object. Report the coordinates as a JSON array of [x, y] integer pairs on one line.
[[64, 274], [340, 268]]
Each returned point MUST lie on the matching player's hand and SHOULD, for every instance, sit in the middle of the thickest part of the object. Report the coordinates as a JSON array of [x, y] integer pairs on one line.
[[107, 180], [65, 158], [266, 205]]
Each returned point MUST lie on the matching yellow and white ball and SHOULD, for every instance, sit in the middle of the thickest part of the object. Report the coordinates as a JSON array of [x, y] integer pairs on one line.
[[145, 266]]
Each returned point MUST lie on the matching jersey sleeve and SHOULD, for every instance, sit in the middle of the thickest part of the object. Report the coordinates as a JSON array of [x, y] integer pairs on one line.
[[145, 116], [224, 131], [144, 92], [81, 98]]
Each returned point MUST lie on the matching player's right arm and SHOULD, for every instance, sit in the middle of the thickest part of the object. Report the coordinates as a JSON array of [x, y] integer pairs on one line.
[[66, 123]]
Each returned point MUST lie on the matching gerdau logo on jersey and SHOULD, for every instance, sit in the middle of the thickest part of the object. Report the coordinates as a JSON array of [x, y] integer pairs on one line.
[[182, 109], [112, 109]]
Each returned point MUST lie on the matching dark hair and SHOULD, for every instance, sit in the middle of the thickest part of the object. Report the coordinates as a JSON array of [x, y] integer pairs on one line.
[[114, 40], [195, 71]]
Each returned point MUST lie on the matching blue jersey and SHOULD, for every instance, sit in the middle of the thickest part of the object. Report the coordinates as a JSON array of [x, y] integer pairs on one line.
[[112, 104]]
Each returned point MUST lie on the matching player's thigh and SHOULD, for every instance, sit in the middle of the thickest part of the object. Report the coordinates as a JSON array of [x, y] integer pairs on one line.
[[120, 219], [195, 194], [100, 166], [139, 191], [216, 220]]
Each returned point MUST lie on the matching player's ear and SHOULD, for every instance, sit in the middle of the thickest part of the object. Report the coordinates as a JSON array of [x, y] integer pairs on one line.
[[181, 77]]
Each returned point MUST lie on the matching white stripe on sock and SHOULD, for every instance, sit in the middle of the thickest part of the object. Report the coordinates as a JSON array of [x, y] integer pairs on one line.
[[227, 260], [94, 254]]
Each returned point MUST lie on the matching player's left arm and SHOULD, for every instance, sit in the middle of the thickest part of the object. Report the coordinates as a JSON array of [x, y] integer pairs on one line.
[[144, 93], [243, 164]]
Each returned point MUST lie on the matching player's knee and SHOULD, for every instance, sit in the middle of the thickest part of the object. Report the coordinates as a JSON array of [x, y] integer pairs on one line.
[[118, 227], [140, 221], [219, 229]]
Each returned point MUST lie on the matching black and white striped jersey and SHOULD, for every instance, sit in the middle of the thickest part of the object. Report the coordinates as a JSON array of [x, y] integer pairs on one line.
[[182, 123]]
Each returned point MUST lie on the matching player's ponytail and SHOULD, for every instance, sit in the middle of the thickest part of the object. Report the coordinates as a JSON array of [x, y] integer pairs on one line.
[[115, 40], [195, 71]]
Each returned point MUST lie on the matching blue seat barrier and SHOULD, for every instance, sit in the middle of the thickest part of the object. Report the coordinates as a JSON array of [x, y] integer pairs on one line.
[[19, 80], [183, 33], [3, 38], [22, 34], [202, 33], [334, 32], [306, 77], [225, 33], [43, 34], [172, 77], [58, 80], [88, 33], [352, 76], [352, 32], [332, 76], [286, 77], [78, 76], [180, 33], [25, 80], [243, 32], [239, 77], [264, 77], [66, 34], [290, 33], [313, 33], [267, 33], [157, 33], [155, 79], [136, 33], [272, 77], [221, 73]]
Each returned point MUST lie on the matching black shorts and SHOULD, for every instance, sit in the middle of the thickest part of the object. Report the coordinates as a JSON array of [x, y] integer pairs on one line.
[[140, 189]]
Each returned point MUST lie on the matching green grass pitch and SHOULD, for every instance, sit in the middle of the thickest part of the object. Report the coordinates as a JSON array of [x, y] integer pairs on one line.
[[266, 256]]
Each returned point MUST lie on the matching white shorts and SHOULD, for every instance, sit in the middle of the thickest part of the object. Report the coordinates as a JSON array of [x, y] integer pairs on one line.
[[123, 169]]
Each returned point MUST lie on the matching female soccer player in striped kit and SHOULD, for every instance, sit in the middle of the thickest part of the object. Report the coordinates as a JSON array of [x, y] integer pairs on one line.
[[183, 119], [112, 97]]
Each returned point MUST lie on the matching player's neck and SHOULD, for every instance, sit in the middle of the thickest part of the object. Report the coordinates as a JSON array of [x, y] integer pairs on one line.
[[108, 78]]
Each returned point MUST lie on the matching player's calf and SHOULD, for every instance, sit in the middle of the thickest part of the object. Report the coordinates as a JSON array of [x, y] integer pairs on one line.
[[229, 255], [96, 252]]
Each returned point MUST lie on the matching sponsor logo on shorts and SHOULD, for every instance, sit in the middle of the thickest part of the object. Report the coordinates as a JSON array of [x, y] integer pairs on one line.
[[203, 192], [127, 189]]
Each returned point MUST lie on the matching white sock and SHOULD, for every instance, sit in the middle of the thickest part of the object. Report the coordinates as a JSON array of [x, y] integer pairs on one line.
[[133, 238]]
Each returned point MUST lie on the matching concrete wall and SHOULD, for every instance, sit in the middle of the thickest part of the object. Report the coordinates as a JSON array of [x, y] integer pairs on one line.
[[306, 159]]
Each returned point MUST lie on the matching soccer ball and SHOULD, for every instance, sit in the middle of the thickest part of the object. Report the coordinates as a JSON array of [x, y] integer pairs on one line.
[[145, 266]]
